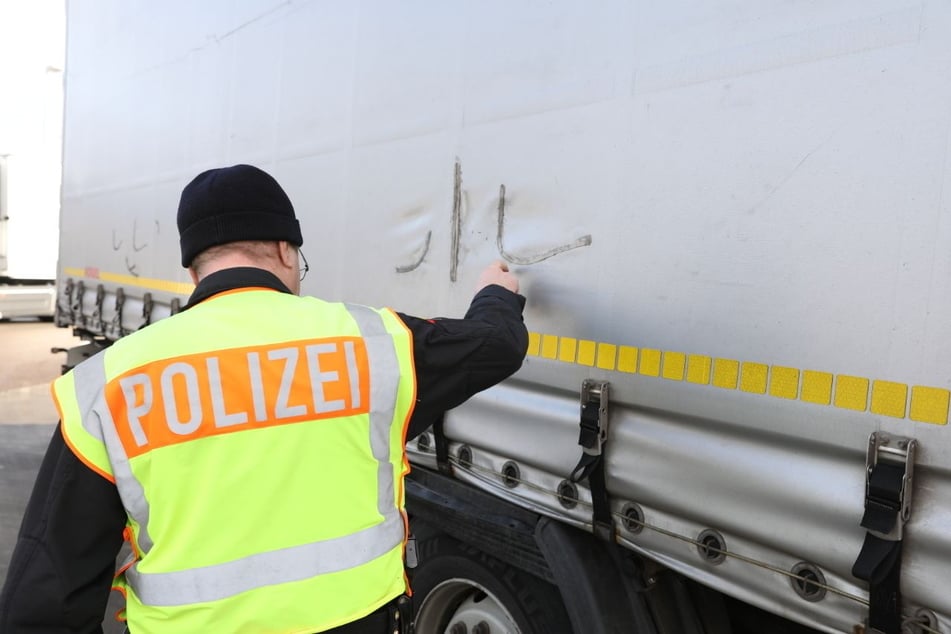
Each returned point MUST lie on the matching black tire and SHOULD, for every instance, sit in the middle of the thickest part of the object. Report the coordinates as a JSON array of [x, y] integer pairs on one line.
[[534, 605]]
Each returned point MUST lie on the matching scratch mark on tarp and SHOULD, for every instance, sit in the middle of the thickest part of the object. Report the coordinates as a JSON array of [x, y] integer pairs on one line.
[[775, 188], [115, 247], [583, 241], [214, 40], [247, 23], [136, 247], [455, 222], [412, 267]]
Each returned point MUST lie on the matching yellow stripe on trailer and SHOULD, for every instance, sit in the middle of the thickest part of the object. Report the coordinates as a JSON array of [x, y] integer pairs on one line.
[[919, 403], [177, 288]]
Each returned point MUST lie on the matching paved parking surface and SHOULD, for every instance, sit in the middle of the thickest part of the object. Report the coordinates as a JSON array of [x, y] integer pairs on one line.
[[27, 420], [21, 448]]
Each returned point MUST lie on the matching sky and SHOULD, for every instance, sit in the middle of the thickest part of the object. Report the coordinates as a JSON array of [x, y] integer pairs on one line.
[[32, 45]]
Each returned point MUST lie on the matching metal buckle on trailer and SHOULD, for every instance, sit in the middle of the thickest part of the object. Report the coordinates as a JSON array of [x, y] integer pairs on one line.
[[146, 310], [100, 323], [68, 295], [594, 416], [592, 436], [889, 468], [117, 317], [889, 462], [76, 307]]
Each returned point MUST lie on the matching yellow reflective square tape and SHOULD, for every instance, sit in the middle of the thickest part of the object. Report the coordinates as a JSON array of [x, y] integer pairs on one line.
[[650, 362], [698, 368], [567, 349], [726, 372], [675, 363], [929, 405], [816, 387], [888, 399], [884, 398], [627, 359], [586, 352], [851, 392], [783, 382], [753, 377], [607, 356], [534, 343]]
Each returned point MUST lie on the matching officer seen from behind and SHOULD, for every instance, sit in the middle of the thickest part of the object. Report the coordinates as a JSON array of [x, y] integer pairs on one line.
[[250, 448]]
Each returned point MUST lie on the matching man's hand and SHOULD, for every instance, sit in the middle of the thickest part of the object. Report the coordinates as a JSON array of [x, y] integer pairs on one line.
[[498, 273]]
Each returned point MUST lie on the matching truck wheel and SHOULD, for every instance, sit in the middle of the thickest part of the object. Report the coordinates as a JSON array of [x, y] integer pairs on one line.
[[458, 589]]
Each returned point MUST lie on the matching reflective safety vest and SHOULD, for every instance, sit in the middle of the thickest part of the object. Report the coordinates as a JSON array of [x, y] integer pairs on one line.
[[256, 441]]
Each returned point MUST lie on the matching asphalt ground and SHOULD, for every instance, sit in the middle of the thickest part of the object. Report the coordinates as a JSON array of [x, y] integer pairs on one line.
[[27, 420]]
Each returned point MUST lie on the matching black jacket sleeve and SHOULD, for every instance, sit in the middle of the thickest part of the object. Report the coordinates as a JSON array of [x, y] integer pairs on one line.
[[456, 358], [62, 566]]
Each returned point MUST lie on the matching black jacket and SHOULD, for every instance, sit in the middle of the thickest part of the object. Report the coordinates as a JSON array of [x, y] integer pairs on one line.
[[62, 567]]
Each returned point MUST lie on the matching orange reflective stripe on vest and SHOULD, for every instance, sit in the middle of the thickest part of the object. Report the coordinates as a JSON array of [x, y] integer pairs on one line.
[[171, 397]]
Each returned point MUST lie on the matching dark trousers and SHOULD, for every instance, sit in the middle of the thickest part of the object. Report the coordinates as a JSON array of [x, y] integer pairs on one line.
[[382, 621]]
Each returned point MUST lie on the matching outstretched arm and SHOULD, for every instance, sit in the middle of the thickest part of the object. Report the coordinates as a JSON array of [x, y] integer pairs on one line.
[[456, 358]]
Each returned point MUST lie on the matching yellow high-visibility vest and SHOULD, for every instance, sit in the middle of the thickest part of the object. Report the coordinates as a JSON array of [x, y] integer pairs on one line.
[[256, 441]]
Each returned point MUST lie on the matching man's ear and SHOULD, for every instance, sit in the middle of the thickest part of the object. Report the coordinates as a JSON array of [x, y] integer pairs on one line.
[[285, 251]]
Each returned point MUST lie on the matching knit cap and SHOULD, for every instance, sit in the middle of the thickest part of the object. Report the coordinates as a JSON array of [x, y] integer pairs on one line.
[[229, 204]]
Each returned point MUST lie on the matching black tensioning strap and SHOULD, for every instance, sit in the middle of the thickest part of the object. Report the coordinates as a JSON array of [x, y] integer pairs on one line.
[[879, 562], [591, 466]]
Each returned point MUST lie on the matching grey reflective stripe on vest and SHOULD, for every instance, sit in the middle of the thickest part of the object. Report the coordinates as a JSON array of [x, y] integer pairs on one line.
[[384, 384], [211, 583], [90, 378]]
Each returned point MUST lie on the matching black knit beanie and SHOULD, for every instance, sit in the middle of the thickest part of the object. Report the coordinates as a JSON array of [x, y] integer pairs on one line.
[[234, 203]]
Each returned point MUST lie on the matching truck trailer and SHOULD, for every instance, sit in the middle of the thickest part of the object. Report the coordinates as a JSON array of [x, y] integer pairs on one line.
[[732, 222]]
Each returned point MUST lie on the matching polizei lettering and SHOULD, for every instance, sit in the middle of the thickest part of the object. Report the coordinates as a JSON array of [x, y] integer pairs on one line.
[[195, 396]]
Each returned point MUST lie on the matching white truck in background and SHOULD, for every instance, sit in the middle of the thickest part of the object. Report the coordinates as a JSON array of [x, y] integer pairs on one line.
[[732, 221], [27, 246], [31, 61]]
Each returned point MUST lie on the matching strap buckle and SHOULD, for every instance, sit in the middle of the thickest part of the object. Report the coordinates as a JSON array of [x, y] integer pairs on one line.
[[593, 431], [592, 436], [889, 473]]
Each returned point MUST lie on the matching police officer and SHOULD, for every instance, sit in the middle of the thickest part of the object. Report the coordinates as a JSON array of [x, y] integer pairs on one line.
[[250, 448]]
